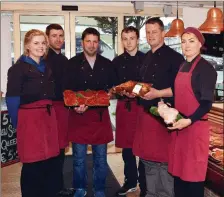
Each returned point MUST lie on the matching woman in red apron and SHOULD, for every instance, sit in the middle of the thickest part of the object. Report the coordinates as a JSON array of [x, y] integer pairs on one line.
[[193, 90], [30, 90]]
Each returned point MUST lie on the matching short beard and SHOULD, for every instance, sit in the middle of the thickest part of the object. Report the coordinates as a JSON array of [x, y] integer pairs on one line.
[[90, 54]]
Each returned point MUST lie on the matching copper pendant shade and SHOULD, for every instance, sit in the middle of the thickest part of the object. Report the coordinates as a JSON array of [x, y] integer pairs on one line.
[[176, 29], [214, 22]]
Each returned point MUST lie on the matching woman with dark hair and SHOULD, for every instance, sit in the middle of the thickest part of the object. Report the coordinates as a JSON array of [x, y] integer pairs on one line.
[[30, 90], [193, 93]]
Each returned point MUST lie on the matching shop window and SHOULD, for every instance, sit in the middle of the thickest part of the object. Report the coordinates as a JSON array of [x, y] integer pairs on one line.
[[107, 26], [38, 22], [139, 22]]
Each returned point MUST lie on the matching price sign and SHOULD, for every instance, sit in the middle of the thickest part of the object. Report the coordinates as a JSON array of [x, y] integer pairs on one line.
[[8, 141]]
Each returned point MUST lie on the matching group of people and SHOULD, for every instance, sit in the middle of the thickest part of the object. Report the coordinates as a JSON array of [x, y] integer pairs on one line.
[[170, 164]]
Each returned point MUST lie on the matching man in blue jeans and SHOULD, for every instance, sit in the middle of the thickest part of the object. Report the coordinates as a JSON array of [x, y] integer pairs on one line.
[[90, 125], [100, 168]]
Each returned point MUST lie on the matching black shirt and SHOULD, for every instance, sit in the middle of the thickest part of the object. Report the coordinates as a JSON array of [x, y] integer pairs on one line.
[[160, 69], [27, 82], [58, 63], [203, 79], [203, 82], [80, 76], [127, 67]]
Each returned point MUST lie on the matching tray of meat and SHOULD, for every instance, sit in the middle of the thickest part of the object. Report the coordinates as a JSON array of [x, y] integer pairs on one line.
[[216, 155], [132, 87], [165, 114], [88, 97]]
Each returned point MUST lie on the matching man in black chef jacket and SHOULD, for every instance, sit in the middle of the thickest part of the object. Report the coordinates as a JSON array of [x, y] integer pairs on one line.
[[58, 63], [159, 68], [90, 125], [127, 67]]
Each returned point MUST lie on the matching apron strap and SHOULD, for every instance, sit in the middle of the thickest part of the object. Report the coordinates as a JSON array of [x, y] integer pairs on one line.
[[195, 64]]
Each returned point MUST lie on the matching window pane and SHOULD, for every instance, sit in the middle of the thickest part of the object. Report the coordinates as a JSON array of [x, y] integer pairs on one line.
[[38, 22], [217, 63], [7, 49], [173, 42], [139, 23], [9, 14], [107, 26]]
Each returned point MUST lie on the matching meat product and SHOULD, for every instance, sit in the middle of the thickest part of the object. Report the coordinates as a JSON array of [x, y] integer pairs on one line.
[[167, 113], [134, 87], [217, 153], [88, 97], [216, 141]]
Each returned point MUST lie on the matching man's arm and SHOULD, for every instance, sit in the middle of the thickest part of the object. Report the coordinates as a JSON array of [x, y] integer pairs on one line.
[[154, 93]]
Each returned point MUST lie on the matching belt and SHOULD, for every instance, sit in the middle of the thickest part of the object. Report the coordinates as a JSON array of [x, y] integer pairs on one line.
[[48, 107], [99, 110]]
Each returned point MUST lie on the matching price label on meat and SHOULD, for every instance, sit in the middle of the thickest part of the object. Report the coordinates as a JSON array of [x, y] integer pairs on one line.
[[8, 141], [137, 88]]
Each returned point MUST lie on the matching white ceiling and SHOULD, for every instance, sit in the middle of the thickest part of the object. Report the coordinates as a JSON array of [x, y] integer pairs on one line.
[[148, 3]]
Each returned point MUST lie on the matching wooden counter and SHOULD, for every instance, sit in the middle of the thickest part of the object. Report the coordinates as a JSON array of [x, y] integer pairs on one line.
[[216, 113]]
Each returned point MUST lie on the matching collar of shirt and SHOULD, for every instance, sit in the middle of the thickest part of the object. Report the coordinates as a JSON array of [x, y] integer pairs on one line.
[[158, 51], [41, 66], [83, 57], [52, 52], [127, 55]]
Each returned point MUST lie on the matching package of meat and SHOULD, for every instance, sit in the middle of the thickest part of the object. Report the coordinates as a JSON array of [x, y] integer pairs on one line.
[[88, 97], [216, 155], [166, 114], [132, 87]]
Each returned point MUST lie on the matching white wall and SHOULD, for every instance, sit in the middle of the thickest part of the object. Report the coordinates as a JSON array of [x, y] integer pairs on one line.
[[6, 60], [194, 17]]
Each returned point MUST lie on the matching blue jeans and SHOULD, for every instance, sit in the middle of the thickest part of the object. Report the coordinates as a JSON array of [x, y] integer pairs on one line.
[[100, 167]]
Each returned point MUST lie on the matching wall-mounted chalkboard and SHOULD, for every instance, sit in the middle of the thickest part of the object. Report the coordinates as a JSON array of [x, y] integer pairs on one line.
[[8, 141]]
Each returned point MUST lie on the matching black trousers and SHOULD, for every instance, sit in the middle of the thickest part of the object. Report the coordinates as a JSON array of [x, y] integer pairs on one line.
[[132, 173], [61, 159], [39, 179], [188, 189]]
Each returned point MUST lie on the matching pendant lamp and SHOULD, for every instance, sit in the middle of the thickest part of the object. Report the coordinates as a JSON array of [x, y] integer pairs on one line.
[[214, 21], [177, 27]]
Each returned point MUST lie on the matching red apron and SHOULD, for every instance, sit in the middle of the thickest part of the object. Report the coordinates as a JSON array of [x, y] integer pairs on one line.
[[62, 121], [126, 122], [37, 133], [92, 127], [188, 152], [151, 139]]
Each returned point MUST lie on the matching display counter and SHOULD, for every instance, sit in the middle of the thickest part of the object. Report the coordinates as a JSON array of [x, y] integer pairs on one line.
[[215, 172]]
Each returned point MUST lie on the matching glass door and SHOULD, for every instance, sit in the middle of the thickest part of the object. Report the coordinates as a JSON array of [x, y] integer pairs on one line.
[[27, 21], [108, 28]]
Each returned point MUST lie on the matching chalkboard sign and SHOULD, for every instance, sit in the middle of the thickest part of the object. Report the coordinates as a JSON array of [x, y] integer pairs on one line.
[[8, 141]]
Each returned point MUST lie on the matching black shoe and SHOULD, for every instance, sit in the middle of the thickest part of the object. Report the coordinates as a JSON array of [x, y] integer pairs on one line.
[[124, 190], [66, 192]]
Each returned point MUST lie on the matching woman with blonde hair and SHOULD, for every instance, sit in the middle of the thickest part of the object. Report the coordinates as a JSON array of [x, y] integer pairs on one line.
[[30, 90]]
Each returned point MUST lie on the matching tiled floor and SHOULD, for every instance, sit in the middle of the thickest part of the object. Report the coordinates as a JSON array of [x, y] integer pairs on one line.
[[10, 176], [10, 186]]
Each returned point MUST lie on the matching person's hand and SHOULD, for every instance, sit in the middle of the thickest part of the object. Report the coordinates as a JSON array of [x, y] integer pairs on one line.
[[110, 94], [152, 94], [129, 95], [81, 109], [180, 124]]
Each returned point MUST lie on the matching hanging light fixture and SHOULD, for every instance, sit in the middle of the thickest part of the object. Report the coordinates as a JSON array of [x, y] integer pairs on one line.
[[214, 21], [177, 27]]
